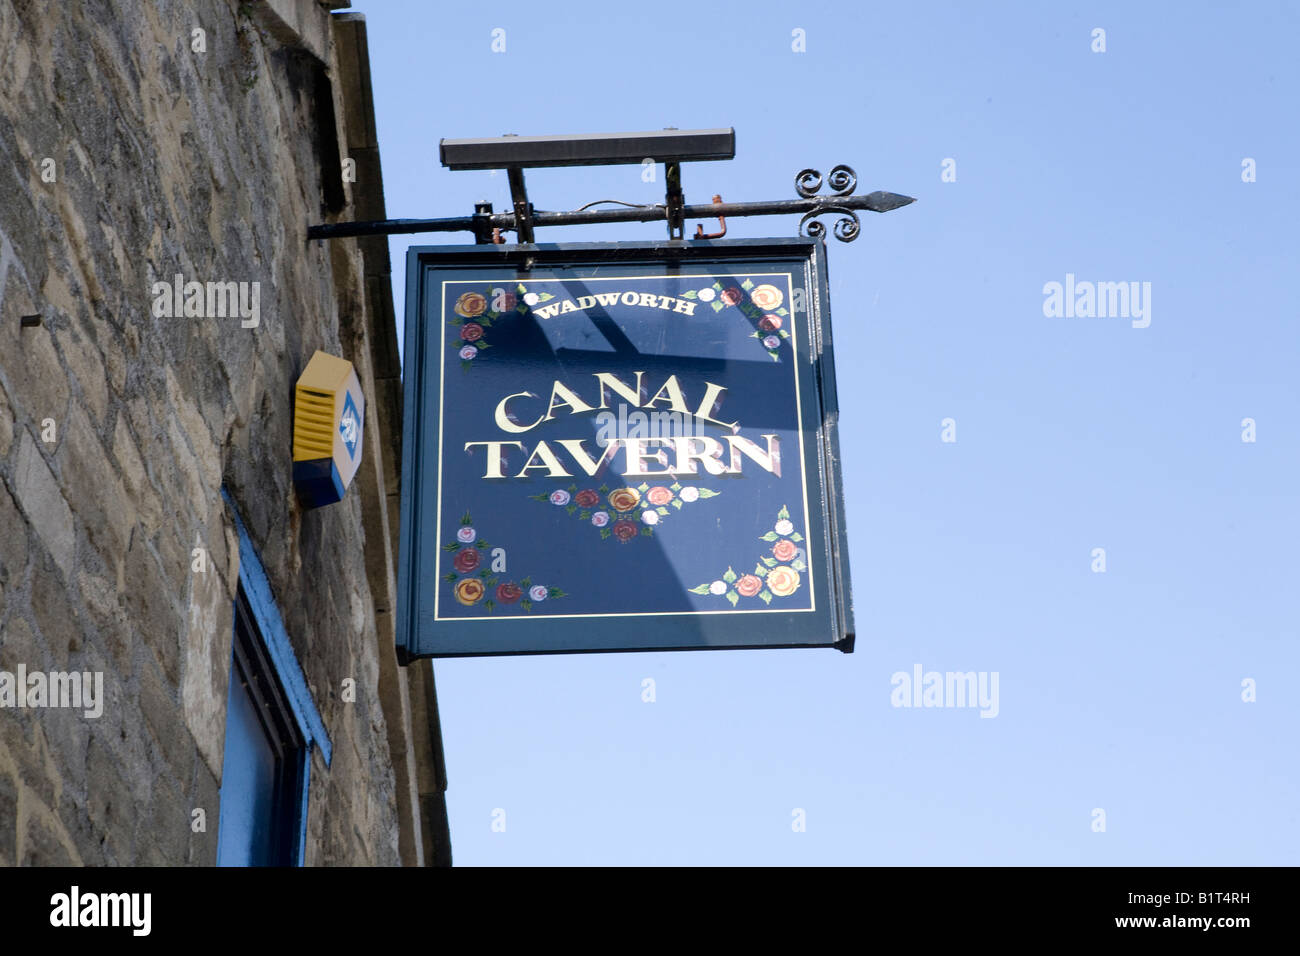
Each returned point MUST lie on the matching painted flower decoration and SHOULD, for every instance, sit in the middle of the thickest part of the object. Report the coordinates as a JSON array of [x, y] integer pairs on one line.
[[469, 591], [471, 305], [471, 321], [783, 581], [714, 295], [624, 499], [773, 577], [784, 550], [766, 297], [525, 299], [471, 583], [659, 495], [476, 312], [643, 508], [762, 308]]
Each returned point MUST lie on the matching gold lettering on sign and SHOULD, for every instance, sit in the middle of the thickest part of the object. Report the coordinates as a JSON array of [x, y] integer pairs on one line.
[[642, 457]]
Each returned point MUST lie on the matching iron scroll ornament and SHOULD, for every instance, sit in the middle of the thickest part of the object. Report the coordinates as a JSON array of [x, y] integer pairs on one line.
[[842, 181]]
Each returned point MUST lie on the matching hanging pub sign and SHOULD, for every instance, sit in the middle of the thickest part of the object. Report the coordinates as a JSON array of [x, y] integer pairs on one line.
[[620, 446]]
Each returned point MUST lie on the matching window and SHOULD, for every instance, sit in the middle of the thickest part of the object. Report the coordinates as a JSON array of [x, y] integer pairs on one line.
[[262, 797], [271, 726]]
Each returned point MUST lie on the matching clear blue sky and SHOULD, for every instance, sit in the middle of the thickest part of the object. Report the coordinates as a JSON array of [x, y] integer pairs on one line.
[[1119, 690]]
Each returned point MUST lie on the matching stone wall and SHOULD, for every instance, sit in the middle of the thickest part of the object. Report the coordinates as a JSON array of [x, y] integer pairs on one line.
[[119, 428]]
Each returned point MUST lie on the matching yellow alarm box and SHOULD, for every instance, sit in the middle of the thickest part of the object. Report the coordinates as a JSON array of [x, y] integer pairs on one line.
[[329, 412]]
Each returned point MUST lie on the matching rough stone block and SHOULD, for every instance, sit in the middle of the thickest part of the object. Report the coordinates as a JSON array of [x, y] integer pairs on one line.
[[92, 487], [55, 617], [40, 499], [164, 832], [86, 366], [166, 724], [18, 645], [37, 383], [35, 769], [6, 425], [152, 607], [207, 796], [8, 819], [112, 629], [207, 665], [13, 554], [45, 841], [143, 496], [111, 805]]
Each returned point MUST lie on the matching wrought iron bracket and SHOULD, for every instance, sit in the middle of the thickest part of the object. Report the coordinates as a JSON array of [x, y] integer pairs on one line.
[[674, 200], [483, 223], [523, 208], [524, 219]]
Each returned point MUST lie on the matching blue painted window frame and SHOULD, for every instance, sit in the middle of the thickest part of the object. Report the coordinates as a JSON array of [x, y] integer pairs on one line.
[[275, 639]]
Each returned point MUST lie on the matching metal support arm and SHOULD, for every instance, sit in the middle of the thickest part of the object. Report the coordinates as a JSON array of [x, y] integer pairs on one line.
[[841, 180]]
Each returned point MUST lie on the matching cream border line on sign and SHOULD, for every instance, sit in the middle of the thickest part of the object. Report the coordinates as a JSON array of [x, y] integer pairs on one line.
[[803, 475]]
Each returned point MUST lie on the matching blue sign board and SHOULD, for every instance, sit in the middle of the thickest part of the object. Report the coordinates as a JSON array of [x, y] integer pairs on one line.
[[620, 446]]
